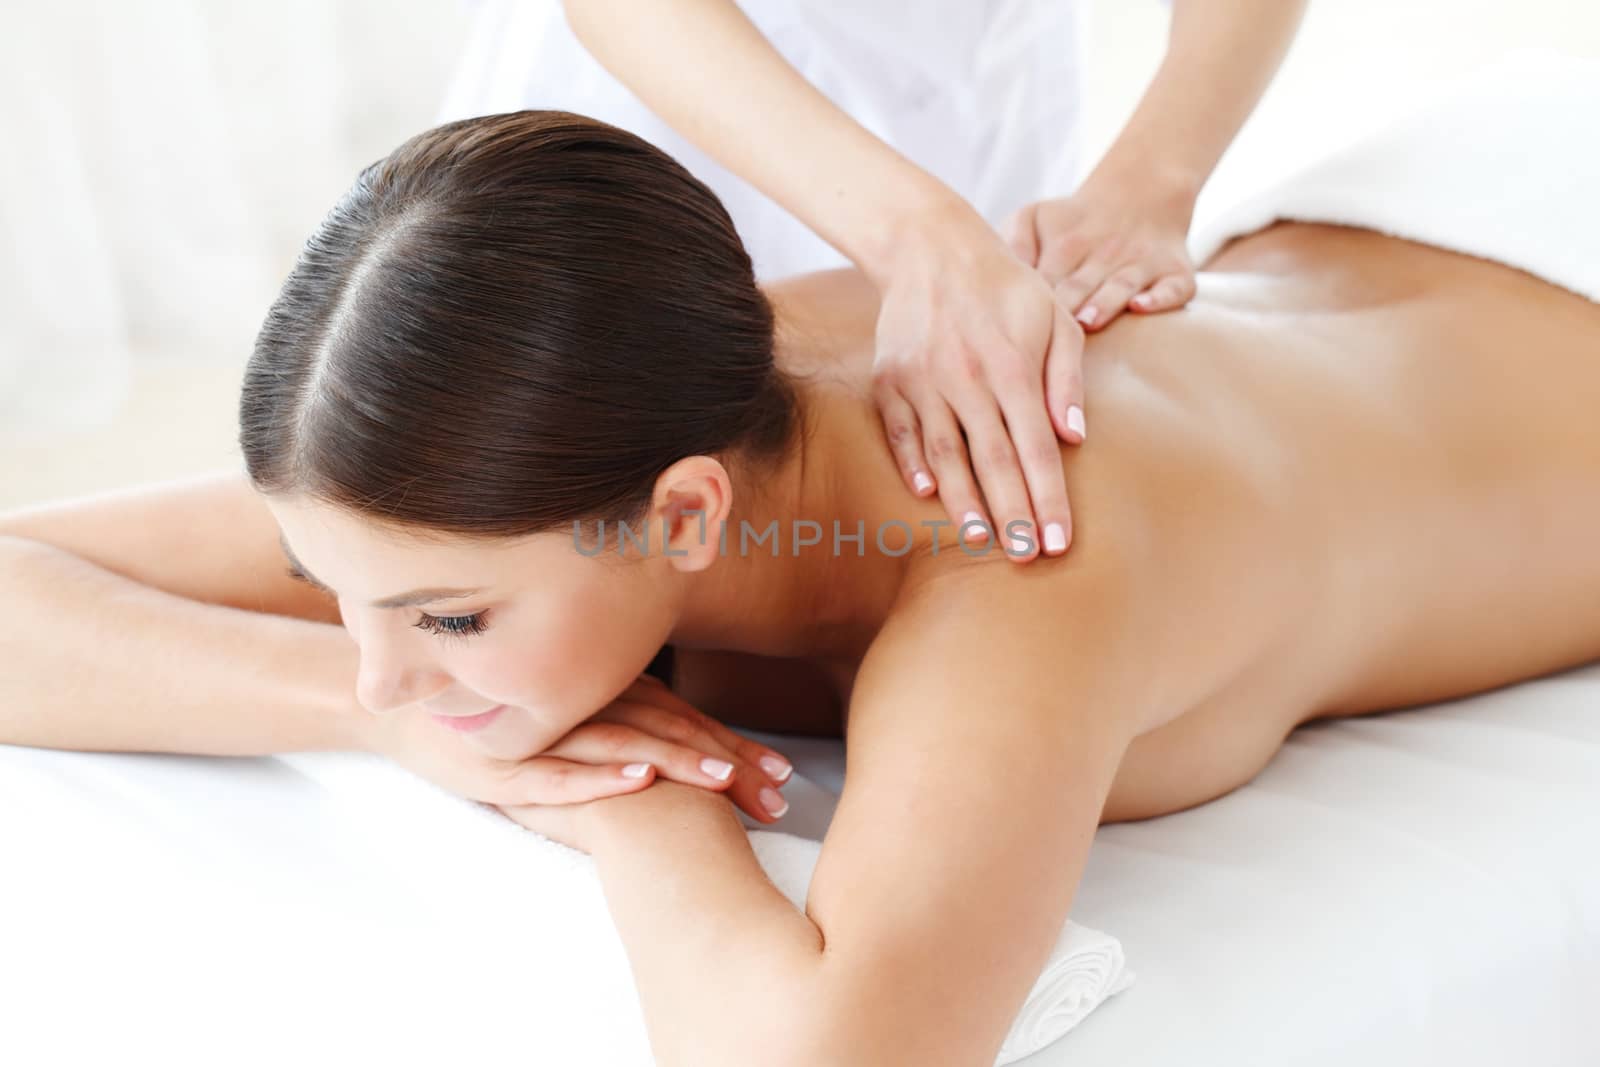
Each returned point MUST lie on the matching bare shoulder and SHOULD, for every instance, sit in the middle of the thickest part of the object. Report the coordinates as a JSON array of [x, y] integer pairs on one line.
[[960, 619]]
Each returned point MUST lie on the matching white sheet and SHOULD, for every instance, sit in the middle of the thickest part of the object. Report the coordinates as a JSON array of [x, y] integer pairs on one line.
[[1392, 890], [1503, 165], [462, 841]]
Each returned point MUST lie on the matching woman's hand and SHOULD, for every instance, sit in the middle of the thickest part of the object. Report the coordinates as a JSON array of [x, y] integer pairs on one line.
[[969, 340], [1114, 244], [648, 727], [577, 825]]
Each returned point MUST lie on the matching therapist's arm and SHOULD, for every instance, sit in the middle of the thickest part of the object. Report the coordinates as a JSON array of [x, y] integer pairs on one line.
[[1119, 240], [711, 74], [965, 330], [1221, 56]]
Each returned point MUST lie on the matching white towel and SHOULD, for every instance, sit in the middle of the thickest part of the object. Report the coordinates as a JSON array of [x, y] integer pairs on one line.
[[1503, 165], [450, 849]]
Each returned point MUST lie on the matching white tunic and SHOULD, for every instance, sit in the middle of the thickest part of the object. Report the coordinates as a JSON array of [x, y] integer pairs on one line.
[[983, 94]]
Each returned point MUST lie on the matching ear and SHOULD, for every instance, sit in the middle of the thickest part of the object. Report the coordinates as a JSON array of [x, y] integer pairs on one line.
[[689, 510]]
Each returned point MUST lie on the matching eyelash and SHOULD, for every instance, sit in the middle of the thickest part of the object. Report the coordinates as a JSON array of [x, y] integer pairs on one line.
[[462, 626], [453, 626]]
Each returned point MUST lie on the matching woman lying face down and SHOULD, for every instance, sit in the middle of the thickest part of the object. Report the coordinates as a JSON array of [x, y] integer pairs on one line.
[[517, 328]]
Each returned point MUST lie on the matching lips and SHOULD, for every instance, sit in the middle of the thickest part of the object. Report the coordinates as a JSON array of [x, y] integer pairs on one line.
[[468, 723]]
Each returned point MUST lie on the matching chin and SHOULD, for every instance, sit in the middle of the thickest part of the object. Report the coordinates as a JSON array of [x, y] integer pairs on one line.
[[515, 735]]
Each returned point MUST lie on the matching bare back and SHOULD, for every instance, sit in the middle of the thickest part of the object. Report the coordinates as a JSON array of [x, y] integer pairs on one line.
[[1355, 473]]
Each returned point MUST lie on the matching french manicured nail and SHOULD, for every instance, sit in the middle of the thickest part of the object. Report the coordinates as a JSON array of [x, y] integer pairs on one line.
[[1075, 421], [922, 482], [636, 770], [1088, 315], [716, 768], [778, 770], [773, 801], [1055, 537], [972, 524]]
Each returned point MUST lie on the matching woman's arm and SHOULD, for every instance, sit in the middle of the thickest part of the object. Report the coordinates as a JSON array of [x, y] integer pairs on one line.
[[981, 749], [96, 661], [162, 619]]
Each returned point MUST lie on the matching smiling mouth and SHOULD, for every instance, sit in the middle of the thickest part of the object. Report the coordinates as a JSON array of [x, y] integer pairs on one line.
[[469, 723]]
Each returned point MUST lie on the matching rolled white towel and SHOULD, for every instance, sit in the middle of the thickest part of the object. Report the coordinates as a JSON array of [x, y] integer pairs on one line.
[[452, 847], [1085, 967]]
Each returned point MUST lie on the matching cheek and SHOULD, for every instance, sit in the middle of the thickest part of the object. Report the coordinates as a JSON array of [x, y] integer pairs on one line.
[[602, 642], [558, 665]]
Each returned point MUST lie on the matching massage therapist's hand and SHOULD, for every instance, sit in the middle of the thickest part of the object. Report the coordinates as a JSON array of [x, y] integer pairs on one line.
[[971, 340], [1114, 244], [647, 727]]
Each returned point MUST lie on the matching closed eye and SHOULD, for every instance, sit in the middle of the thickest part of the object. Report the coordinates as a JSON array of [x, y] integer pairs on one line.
[[301, 576], [440, 625], [453, 626]]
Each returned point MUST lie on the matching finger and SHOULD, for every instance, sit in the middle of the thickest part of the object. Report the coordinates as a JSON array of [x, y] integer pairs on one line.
[[1107, 303], [1039, 452], [1063, 377], [901, 426], [546, 779], [757, 756], [680, 750], [1074, 290], [1060, 257], [1021, 236], [999, 472], [1165, 294], [952, 468]]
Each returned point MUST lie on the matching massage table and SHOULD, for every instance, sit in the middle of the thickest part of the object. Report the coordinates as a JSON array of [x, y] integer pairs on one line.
[[1414, 887]]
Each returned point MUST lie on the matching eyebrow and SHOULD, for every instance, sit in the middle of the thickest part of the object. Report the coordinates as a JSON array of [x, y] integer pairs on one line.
[[414, 598]]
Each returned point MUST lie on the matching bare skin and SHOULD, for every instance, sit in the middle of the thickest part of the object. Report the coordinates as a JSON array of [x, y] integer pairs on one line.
[[1357, 473]]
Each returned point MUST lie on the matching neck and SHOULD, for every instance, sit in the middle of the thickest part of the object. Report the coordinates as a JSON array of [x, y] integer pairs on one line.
[[816, 600]]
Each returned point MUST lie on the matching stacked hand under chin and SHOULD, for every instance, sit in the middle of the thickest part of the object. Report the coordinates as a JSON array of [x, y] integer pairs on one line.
[[647, 729]]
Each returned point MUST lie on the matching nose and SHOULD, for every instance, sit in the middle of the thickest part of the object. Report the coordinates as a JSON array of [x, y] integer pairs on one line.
[[388, 679]]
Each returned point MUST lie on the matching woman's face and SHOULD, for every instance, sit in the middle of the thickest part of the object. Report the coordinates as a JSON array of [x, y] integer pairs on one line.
[[530, 623]]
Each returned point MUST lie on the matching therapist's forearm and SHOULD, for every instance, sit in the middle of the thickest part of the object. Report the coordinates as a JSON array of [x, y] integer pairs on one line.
[[1221, 56], [708, 72], [94, 661]]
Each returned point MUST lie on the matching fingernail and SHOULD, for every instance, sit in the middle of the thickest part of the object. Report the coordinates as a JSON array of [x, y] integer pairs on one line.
[[773, 801], [1088, 315], [1075, 421], [716, 768], [636, 770], [1142, 300], [1020, 545], [922, 482], [777, 769], [972, 526], [1055, 537]]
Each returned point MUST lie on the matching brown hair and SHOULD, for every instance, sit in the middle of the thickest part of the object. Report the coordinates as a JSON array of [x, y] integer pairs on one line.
[[508, 324]]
